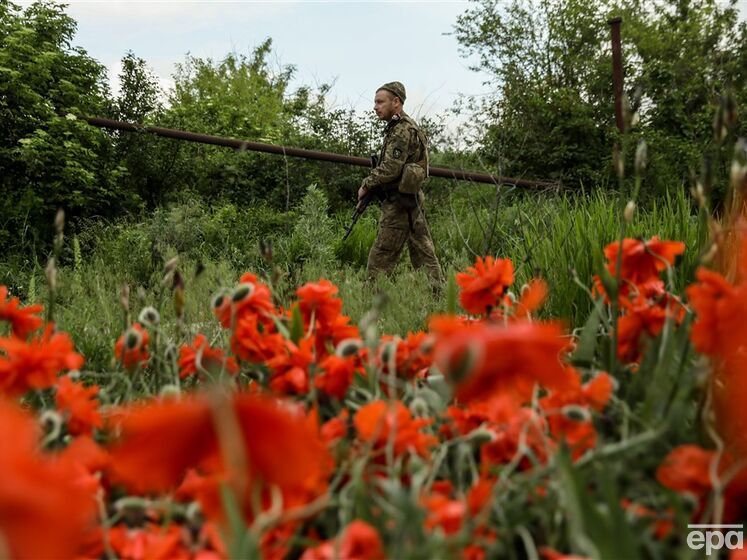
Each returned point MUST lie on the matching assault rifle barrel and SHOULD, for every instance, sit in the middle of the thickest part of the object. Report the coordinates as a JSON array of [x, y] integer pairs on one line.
[[446, 173]]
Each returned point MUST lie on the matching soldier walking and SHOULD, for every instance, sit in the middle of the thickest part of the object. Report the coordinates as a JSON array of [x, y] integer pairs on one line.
[[397, 181]]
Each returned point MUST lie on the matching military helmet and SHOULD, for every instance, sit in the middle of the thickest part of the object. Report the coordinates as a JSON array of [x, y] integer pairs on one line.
[[395, 88]]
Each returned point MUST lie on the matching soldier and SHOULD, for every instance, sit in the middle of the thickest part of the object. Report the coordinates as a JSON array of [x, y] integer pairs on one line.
[[398, 181]]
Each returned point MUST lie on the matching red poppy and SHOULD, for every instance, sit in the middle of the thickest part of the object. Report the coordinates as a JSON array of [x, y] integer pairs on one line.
[[23, 320], [483, 359], [290, 369], [641, 318], [319, 300], [523, 433], [287, 451], [78, 405], [663, 524], [642, 261], [336, 376], [200, 355], [413, 355], [687, 469], [250, 297], [720, 309], [359, 541], [38, 496], [484, 284], [443, 512], [378, 421], [131, 347], [532, 297], [34, 364], [255, 342]]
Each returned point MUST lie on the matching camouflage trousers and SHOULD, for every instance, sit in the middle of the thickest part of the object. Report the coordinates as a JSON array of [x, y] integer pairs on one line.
[[394, 233]]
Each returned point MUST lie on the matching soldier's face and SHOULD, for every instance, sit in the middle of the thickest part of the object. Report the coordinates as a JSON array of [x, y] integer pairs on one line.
[[386, 105]]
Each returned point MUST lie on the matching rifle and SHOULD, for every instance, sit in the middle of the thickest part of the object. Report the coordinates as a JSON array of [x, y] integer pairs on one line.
[[362, 204]]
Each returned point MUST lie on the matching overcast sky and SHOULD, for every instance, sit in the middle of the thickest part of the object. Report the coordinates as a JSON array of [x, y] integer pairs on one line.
[[356, 45]]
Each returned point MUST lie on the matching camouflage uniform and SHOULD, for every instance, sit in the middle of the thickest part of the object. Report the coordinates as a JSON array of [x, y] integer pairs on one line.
[[399, 225]]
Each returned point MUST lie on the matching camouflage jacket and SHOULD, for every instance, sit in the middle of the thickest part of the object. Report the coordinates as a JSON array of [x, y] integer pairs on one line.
[[402, 144]]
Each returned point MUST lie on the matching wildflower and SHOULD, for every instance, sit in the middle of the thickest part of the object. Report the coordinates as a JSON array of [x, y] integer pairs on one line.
[[532, 297], [250, 297], [413, 355], [641, 317], [38, 496], [36, 363], [720, 309], [484, 284], [378, 421], [278, 446], [78, 405], [132, 347], [687, 469], [663, 524], [521, 437], [336, 376], [255, 342], [482, 360], [359, 541], [318, 300], [201, 354], [642, 261], [23, 321], [442, 511], [334, 429], [290, 369]]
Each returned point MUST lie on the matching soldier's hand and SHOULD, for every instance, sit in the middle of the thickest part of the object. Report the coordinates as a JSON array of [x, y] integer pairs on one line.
[[361, 193]]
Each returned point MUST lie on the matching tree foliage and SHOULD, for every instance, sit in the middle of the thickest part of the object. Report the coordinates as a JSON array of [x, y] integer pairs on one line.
[[552, 114], [49, 159]]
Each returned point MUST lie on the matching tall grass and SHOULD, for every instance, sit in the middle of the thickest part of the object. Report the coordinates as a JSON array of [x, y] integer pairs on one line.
[[553, 236]]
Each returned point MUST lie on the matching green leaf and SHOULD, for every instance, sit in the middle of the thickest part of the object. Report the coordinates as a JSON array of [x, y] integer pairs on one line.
[[587, 344], [296, 329], [451, 296]]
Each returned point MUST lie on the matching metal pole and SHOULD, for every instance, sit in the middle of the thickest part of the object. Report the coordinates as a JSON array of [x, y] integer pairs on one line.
[[617, 71], [457, 174]]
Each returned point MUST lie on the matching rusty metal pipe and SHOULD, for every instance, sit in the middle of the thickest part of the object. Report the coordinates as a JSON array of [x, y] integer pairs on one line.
[[446, 173], [617, 71]]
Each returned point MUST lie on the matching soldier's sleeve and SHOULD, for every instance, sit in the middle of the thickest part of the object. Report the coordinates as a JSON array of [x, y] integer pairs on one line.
[[394, 158]]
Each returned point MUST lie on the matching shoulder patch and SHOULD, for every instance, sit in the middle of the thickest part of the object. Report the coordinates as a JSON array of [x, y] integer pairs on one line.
[[396, 152]]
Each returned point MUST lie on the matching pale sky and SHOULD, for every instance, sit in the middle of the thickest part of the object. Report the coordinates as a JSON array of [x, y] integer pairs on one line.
[[356, 45]]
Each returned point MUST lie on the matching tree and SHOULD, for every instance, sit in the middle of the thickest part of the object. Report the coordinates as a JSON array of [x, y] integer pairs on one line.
[[48, 158], [549, 60]]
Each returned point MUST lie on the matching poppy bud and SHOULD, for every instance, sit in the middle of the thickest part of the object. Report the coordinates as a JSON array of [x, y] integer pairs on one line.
[[242, 291], [348, 347], [419, 407], [169, 391], [51, 272], [171, 354], [629, 211], [641, 157], [618, 161], [133, 339], [218, 300], [481, 435], [59, 221], [576, 413], [149, 316]]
